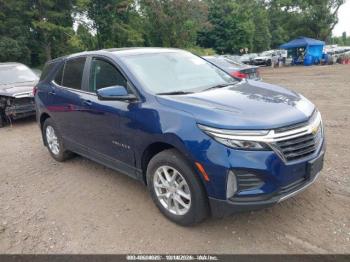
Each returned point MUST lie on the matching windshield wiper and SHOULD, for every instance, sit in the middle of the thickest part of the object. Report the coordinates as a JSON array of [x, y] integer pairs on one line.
[[175, 93], [218, 86]]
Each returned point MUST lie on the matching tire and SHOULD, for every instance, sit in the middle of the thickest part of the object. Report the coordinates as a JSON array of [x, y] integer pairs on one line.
[[2, 122], [177, 167], [2, 118], [61, 154]]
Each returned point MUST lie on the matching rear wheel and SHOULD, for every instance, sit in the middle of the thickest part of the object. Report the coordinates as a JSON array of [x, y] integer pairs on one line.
[[2, 119], [176, 189], [54, 141], [2, 124]]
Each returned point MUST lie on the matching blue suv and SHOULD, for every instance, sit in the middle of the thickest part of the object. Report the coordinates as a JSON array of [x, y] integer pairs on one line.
[[203, 142]]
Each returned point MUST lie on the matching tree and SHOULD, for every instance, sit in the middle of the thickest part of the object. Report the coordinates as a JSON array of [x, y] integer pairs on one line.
[[52, 25], [344, 38], [173, 23], [116, 22], [14, 31], [87, 40], [231, 26], [293, 18], [262, 35]]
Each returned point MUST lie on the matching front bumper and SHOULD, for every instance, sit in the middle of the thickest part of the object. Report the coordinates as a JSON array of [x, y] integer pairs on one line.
[[260, 62], [16, 108], [221, 208]]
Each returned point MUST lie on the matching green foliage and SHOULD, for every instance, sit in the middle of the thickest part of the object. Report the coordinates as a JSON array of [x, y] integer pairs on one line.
[[200, 51], [14, 31], [13, 50], [262, 35], [343, 40], [84, 39], [52, 23], [293, 18], [34, 31], [232, 28], [173, 23], [115, 22]]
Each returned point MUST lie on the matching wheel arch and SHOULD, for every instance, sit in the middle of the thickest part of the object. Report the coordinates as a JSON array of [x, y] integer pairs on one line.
[[42, 120], [150, 151], [158, 146]]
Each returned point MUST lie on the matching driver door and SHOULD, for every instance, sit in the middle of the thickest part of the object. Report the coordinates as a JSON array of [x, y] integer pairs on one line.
[[102, 133]]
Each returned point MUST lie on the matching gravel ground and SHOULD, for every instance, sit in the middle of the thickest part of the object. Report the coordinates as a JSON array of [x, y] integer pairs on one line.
[[82, 207]]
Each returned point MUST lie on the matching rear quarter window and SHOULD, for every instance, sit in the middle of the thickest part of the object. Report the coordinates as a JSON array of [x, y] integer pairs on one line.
[[73, 73], [59, 75], [47, 69]]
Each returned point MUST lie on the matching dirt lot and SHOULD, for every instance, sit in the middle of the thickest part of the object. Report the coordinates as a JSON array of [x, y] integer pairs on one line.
[[82, 207]]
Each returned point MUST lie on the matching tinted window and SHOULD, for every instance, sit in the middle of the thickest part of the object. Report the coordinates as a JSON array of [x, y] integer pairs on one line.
[[104, 74], [47, 69], [73, 73], [59, 74]]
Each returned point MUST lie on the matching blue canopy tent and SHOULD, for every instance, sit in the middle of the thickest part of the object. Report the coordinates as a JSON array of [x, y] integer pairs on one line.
[[312, 50]]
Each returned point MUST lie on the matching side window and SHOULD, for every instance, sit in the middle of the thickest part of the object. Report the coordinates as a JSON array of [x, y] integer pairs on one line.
[[59, 74], [47, 68], [104, 74], [73, 73]]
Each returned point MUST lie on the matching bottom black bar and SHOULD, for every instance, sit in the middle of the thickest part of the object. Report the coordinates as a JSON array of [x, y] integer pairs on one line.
[[174, 257]]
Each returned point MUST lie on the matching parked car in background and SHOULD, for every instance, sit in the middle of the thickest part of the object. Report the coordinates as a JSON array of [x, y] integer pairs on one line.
[[16, 87], [266, 58], [234, 68], [234, 58], [202, 141], [248, 58]]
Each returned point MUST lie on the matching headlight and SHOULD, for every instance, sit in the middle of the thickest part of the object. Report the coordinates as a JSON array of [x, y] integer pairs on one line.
[[241, 144], [238, 139]]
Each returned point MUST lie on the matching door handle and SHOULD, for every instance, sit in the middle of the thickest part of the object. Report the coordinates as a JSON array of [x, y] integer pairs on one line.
[[52, 93], [87, 102]]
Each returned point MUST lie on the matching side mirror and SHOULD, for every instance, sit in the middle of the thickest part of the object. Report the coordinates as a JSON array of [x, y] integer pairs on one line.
[[114, 93]]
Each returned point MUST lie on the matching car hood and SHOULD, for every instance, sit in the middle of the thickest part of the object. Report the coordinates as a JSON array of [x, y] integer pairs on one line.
[[246, 105], [17, 89]]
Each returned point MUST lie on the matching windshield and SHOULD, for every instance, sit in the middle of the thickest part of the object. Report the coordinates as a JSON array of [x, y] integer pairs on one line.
[[10, 74], [175, 72]]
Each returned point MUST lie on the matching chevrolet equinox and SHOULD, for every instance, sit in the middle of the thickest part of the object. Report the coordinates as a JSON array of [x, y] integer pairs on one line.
[[202, 141]]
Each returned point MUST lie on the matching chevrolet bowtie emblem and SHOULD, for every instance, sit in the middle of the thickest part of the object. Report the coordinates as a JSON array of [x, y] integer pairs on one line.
[[315, 129]]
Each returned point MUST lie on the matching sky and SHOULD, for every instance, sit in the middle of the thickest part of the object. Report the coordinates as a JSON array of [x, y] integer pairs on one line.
[[344, 20]]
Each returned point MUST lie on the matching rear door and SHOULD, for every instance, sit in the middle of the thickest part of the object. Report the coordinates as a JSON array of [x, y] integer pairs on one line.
[[66, 99]]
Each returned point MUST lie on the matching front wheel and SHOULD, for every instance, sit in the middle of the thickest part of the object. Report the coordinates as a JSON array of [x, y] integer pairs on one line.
[[176, 189]]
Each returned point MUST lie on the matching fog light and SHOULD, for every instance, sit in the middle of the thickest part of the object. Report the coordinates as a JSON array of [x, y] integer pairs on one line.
[[231, 185]]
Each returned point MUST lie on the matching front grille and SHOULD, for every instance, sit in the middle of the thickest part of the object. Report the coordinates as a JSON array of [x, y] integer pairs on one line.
[[23, 101], [301, 146]]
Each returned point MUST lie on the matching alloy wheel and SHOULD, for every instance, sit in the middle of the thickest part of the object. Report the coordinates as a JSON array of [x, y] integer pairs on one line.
[[52, 140], [172, 190]]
